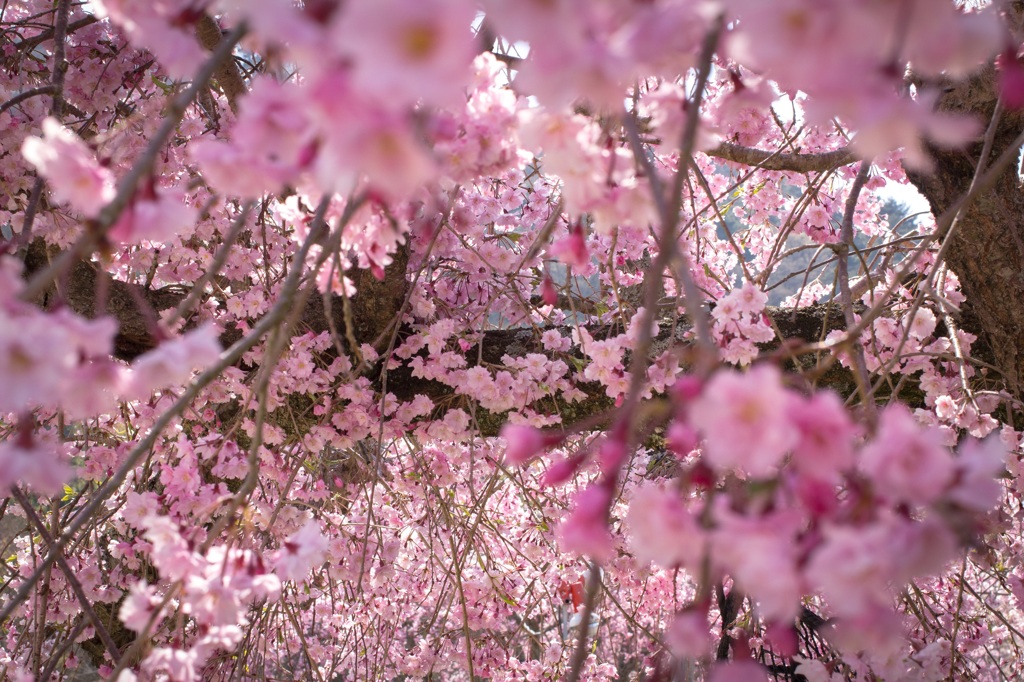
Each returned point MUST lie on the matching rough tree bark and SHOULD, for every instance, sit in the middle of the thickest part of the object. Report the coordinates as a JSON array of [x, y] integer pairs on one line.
[[987, 247]]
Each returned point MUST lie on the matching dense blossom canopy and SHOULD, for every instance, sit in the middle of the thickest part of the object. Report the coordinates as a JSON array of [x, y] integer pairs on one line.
[[506, 340]]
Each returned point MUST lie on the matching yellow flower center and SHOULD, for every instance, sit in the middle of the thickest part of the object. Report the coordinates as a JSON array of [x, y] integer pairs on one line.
[[797, 21], [420, 41]]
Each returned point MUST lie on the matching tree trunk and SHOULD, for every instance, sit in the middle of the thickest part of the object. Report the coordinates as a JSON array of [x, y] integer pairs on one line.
[[987, 247]]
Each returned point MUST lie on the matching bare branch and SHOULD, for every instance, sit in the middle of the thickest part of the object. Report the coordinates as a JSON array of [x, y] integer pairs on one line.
[[777, 161]]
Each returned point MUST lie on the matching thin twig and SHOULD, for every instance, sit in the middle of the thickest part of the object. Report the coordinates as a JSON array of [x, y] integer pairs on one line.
[[27, 94], [58, 653], [57, 75], [69, 574], [945, 225], [31, 43], [273, 318], [842, 250], [214, 267], [669, 208], [579, 655], [292, 304]]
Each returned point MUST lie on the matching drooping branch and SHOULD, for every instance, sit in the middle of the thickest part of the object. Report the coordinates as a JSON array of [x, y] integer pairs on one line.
[[29, 44], [27, 94]]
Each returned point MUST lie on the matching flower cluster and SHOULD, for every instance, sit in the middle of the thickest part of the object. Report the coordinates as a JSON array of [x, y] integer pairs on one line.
[[427, 231]]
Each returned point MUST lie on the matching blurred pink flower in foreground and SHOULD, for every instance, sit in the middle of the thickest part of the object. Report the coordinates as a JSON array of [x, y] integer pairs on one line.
[[69, 166]]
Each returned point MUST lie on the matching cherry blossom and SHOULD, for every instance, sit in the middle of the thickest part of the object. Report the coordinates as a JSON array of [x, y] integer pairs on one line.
[[37, 460], [140, 607], [408, 51], [825, 448], [302, 551], [761, 555], [157, 27], [906, 462], [744, 420], [664, 531], [510, 341], [585, 530], [174, 361], [74, 174]]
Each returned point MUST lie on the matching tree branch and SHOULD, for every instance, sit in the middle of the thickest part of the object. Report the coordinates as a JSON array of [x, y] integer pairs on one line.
[[372, 314], [97, 229], [226, 74], [777, 161], [986, 251], [29, 44], [69, 575]]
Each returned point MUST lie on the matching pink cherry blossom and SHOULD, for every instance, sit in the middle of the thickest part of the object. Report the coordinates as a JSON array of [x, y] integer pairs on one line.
[[524, 443], [856, 569], [688, 635], [171, 553], [906, 461], [738, 671], [760, 554], [744, 418], [140, 606], [33, 459], [173, 361], [1011, 79], [157, 26], [826, 445], [664, 531], [815, 671], [572, 249], [978, 466], [585, 530], [69, 166], [853, 568], [34, 358], [923, 324], [303, 550], [271, 143], [407, 51], [180, 665], [362, 137], [93, 387], [159, 219], [681, 438]]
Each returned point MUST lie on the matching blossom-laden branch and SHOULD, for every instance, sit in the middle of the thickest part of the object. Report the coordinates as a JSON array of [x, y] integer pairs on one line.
[[130, 303], [282, 309], [326, 499], [142, 168]]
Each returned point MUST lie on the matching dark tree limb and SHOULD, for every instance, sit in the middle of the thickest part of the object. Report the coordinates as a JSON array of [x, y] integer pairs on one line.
[[29, 44], [728, 607], [778, 161], [227, 74], [27, 94], [373, 312]]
